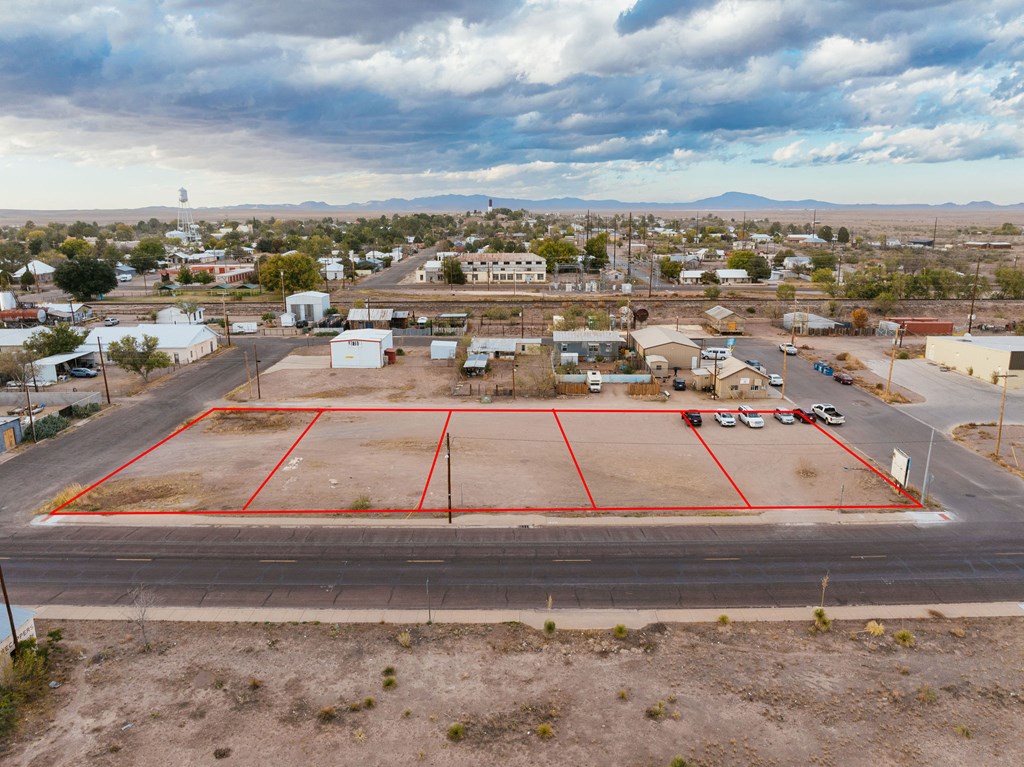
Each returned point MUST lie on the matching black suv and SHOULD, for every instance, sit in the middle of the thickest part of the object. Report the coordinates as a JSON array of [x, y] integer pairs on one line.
[[679, 384], [692, 417]]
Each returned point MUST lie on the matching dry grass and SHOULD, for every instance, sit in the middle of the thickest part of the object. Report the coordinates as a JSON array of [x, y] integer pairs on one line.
[[128, 494], [806, 470], [244, 422], [60, 499]]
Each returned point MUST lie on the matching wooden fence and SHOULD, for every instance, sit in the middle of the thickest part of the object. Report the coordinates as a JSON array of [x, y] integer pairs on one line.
[[572, 388], [643, 389]]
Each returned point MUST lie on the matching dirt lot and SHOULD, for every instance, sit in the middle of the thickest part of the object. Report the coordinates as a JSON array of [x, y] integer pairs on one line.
[[742, 694], [981, 438]]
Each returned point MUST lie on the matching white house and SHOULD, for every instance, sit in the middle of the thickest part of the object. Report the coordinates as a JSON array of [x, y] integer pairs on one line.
[[172, 315], [182, 343], [41, 271], [430, 272], [309, 305], [68, 311], [362, 348]]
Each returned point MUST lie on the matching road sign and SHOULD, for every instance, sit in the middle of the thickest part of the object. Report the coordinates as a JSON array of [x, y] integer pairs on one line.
[[730, 342], [900, 468]]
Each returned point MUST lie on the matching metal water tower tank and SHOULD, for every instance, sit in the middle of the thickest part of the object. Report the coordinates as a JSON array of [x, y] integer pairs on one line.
[[183, 195]]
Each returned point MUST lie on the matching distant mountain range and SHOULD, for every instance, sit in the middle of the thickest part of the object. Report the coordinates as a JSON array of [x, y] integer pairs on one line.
[[730, 201], [458, 203]]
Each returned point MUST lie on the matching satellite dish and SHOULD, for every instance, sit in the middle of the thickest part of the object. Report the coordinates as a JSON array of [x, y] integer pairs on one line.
[[183, 195], [41, 316], [641, 314]]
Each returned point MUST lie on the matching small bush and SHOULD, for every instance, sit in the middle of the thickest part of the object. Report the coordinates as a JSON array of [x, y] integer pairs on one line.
[[361, 503], [407, 713], [679, 762], [822, 622], [84, 411], [389, 671], [404, 638], [221, 753], [724, 619], [958, 632], [620, 631], [355, 706], [549, 628], [963, 731], [904, 638], [927, 695], [456, 731], [623, 693], [327, 714], [389, 682], [48, 427], [875, 628], [545, 731], [399, 352], [656, 712], [255, 684], [842, 356], [369, 702], [359, 736]]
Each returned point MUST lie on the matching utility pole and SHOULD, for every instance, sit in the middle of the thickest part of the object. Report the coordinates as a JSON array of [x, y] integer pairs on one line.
[[248, 375], [974, 293], [284, 298], [256, 362], [103, 367], [629, 248], [892, 361], [227, 326], [448, 459], [792, 342], [1002, 406], [10, 612], [927, 465]]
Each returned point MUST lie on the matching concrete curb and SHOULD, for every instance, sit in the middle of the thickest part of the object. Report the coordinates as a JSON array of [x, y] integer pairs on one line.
[[565, 619]]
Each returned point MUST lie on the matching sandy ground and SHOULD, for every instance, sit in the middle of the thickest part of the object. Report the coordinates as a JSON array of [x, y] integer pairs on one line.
[[742, 694], [981, 438]]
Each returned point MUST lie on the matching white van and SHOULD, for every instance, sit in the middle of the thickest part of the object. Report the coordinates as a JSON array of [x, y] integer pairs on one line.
[[594, 381], [714, 353]]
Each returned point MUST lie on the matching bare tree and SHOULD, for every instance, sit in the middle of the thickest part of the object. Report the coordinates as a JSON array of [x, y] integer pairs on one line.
[[141, 601]]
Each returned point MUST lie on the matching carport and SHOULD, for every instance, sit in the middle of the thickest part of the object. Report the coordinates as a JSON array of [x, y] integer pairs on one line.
[[46, 369]]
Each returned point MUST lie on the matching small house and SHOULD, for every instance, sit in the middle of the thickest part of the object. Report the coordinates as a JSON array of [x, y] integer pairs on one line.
[[589, 344], [732, 378], [676, 349], [173, 315], [10, 432], [361, 348], [723, 321], [504, 348]]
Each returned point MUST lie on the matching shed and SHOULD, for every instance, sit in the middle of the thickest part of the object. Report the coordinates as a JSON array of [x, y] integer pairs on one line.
[[24, 624], [173, 315], [658, 365], [475, 365], [309, 305], [49, 369], [723, 321], [10, 432], [370, 318], [677, 350], [363, 348], [807, 324], [443, 350]]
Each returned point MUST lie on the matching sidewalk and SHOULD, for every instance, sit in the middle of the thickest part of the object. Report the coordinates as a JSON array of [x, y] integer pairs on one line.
[[564, 619]]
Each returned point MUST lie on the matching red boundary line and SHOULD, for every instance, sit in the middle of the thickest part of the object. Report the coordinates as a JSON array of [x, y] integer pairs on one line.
[[440, 441], [573, 456], [715, 459], [140, 456], [283, 459], [57, 512]]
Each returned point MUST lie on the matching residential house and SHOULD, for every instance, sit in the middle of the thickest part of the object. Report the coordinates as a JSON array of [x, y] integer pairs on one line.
[[589, 344], [182, 343], [504, 348], [310, 305]]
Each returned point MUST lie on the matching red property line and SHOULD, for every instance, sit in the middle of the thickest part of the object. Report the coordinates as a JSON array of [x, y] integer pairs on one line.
[[437, 452], [715, 459], [573, 456], [283, 459], [99, 482]]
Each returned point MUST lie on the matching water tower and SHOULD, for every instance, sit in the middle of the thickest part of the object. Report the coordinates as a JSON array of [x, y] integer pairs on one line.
[[185, 222]]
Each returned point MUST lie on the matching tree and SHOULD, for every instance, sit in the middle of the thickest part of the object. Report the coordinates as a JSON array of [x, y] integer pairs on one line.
[[317, 246], [185, 276], [885, 302], [823, 261], [60, 339], [670, 270], [1010, 282], [756, 266], [16, 365], [859, 318], [146, 256], [85, 277], [452, 271], [555, 252], [188, 308], [74, 247], [825, 233], [204, 278], [135, 357], [596, 251], [709, 277], [785, 292], [300, 272], [843, 235]]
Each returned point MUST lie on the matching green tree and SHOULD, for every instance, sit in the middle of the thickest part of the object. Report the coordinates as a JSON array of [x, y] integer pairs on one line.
[[15, 365], [188, 308], [709, 277], [785, 292], [885, 302], [85, 277], [670, 270], [301, 272], [825, 233], [596, 251], [317, 246], [185, 276], [124, 233], [1010, 282], [452, 271], [823, 261], [843, 235], [138, 357], [756, 266], [147, 255], [203, 278], [73, 247], [60, 339], [555, 252]]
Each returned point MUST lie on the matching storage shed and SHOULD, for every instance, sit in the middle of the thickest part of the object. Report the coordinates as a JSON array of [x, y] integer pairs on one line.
[[309, 305], [443, 350], [723, 321], [363, 348], [677, 350], [10, 432]]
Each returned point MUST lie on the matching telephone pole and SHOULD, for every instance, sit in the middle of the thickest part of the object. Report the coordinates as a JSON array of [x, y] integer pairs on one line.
[[448, 459]]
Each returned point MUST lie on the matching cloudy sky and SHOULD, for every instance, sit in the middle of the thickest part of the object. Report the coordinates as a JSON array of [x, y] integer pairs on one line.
[[117, 104]]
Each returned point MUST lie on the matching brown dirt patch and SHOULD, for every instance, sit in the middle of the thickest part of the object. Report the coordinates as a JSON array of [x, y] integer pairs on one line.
[[242, 422], [750, 694], [169, 491], [981, 438]]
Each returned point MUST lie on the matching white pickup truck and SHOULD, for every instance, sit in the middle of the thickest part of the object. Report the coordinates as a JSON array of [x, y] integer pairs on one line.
[[828, 414]]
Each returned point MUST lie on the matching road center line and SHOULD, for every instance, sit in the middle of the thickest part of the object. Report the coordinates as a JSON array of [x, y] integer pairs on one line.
[[570, 560], [869, 556], [133, 559], [424, 561], [277, 561], [721, 559]]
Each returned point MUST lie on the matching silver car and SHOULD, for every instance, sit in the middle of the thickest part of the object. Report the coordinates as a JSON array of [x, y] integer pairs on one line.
[[784, 416]]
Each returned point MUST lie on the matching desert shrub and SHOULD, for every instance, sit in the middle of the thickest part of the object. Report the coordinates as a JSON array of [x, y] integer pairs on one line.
[[255, 684], [221, 753], [724, 619], [545, 731], [751, 310], [355, 706], [497, 313], [842, 356], [361, 503], [623, 693], [875, 628], [48, 427], [84, 411], [958, 632], [822, 622], [963, 731], [399, 352], [903, 356], [656, 711], [620, 631], [325, 333], [404, 638], [369, 702], [905, 638], [327, 714], [456, 731], [970, 370], [359, 736], [679, 762], [389, 671], [549, 628], [389, 682], [926, 694]]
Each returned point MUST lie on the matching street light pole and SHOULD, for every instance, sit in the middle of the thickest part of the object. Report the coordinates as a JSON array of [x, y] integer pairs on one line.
[[1002, 406]]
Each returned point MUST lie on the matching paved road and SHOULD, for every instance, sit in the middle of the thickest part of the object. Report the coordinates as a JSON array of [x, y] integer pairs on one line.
[[93, 450], [634, 567], [394, 274]]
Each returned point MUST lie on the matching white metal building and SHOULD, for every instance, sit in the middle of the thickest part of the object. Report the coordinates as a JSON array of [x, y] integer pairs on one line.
[[443, 350], [981, 357], [309, 305], [361, 348], [182, 343]]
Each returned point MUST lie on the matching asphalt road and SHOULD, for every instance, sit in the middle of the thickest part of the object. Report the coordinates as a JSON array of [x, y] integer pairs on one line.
[[978, 557]]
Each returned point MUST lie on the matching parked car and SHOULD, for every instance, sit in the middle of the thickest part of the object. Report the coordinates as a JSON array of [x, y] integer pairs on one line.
[[679, 384], [82, 373], [110, 321], [828, 414], [756, 364], [725, 418], [788, 349], [774, 379], [751, 417], [804, 416], [693, 418], [843, 378], [124, 278], [784, 416]]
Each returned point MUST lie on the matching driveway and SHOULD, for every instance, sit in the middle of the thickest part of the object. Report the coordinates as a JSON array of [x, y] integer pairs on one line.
[[951, 398]]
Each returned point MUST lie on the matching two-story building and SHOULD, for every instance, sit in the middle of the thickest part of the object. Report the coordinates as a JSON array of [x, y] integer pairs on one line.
[[503, 268]]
